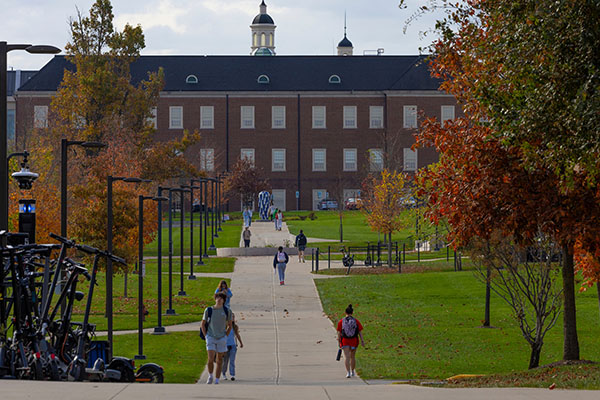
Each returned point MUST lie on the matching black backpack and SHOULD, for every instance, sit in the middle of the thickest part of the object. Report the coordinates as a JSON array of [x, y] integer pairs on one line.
[[349, 328], [209, 311]]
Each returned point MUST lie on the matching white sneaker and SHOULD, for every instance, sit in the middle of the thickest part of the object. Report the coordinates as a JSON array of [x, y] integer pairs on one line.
[[210, 380], [353, 373], [216, 381], [348, 375], [224, 377]]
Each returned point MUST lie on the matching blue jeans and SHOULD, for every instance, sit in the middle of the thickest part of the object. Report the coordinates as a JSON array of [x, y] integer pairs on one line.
[[230, 359], [281, 270]]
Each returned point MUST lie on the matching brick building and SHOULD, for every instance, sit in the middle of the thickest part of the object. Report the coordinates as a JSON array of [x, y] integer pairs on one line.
[[315, 124]]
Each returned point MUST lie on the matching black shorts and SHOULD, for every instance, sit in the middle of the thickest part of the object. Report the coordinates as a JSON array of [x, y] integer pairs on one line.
[[301, 248]]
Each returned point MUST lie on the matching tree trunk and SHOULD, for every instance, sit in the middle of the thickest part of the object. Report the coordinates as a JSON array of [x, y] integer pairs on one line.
[[390, 251], [536, 351], [571, 343], [486, 319], [341, 229]]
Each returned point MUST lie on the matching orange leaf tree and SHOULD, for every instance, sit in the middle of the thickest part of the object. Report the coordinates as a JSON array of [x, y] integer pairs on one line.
[[382, 203], [245, 180]]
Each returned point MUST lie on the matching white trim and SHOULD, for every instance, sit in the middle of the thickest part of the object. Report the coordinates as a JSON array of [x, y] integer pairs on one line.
[[324, 108], [346, 117], [273, 117], [248, 109], [303, 94], [353, 150], [273, 160], [171, 109], [324, 160]]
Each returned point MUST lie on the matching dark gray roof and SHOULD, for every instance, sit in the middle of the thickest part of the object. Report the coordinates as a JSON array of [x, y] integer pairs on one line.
[[345, 42], [263, 19], [286, 73], [11, 80]]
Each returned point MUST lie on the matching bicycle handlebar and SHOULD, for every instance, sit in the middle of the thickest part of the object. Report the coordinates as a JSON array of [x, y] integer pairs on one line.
[[88, 249]]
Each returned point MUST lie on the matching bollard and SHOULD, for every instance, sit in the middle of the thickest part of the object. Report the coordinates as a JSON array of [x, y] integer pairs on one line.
[[312, 260], [403, 253], [328, 257], [317, 261]]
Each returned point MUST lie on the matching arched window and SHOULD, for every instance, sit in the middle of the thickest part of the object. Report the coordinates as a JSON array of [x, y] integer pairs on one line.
[[271, 39], [335, 79], [263, 39], [264, 79], [191, 79], [255, 39]]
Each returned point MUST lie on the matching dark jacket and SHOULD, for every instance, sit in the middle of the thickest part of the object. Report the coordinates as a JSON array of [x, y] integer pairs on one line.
[[301, 240], [275, 262]]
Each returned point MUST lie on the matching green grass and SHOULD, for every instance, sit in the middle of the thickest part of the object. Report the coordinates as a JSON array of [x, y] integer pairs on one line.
[[409, 267], [181, 354], [355, 228], [189, 308], [423, 326], [228, 237]]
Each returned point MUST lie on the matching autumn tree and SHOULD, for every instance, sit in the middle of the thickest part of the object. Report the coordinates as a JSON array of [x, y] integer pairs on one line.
[[244, 180], [98, 100], [382, 203], [531, 125]]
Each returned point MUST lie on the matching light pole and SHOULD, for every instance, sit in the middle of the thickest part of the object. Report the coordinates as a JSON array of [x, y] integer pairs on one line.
[[182, 192], [200, 262], [212, 213], [219, 202], [141, 270], [170, 310], [159, 330], [64, 145], [4, 49], [191, 188], [205, 207], [109, 245]]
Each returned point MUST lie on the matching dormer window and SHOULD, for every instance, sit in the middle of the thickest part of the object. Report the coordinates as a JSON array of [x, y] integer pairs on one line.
[[335, 79], [191, 79], [264, 79]]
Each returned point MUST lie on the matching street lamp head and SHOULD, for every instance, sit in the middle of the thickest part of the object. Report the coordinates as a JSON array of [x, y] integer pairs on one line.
[[42, 49], [25, 178], [92, 145], [132, 180], [160, 198]]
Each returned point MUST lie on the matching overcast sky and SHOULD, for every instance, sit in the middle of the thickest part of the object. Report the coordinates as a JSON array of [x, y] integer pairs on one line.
[[216, 27]]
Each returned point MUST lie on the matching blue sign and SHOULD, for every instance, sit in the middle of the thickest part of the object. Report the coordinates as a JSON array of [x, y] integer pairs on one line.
[[297, 194]]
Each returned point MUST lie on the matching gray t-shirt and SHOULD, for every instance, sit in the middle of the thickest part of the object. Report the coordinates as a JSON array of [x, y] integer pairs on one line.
[[217, 328]]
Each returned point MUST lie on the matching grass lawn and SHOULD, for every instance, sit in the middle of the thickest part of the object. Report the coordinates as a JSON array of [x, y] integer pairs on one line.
[[424, 326], [181, 354], [409, 267], [355, 227], [189, 308], [228, 237]]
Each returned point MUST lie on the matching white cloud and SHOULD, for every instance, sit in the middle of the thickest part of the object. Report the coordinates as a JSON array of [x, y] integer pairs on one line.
[[163, 13]]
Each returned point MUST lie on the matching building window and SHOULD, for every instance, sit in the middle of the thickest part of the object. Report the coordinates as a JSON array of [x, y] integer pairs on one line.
[[349, 117], [278, 117], [247, 113], [350, 160], [376, 160], [410, 160], [40, 116], [255, 39], [335, 79], [319, 157], [318, 117], [153, 119], [191, 79], [207, 117], [376, 117], [176, 117], [447, 114], [263, 39], [207, 159], [278, 198], [264, 79], [278, 160], [10, 124], [410, 117], [247, 154]]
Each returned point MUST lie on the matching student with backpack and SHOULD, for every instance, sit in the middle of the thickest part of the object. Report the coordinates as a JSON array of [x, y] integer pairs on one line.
[[215, 326], [225, 289], [349, 330], [301, 244], [232, 339], [280, 262]]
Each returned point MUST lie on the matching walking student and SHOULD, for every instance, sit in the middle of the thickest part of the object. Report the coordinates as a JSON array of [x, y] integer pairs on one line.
[[223, 288], [280, 262], [301, 245], [349, 330], [279, 220], [275, 216], [246, 236], [216, 325], [232, 339]]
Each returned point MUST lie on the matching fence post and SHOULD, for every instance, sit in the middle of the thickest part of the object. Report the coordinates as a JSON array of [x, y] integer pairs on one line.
[[455, 266], [447, 253], [419, 253], [397, 259], [312, 260], [403, 253], [378, 253], [328, 257], [317, 262]]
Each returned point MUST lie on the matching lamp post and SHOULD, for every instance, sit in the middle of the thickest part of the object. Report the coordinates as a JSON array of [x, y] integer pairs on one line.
[[170, 310], [4, 49], [182, 192], [205, 207], [212, 213], [200, 262], [219, 202], [141, 271], [159, 330], [191, 188], [109, 245]]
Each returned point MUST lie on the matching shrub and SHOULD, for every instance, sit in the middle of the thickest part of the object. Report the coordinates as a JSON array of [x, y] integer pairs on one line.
[[312, 215], [302, 217]]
